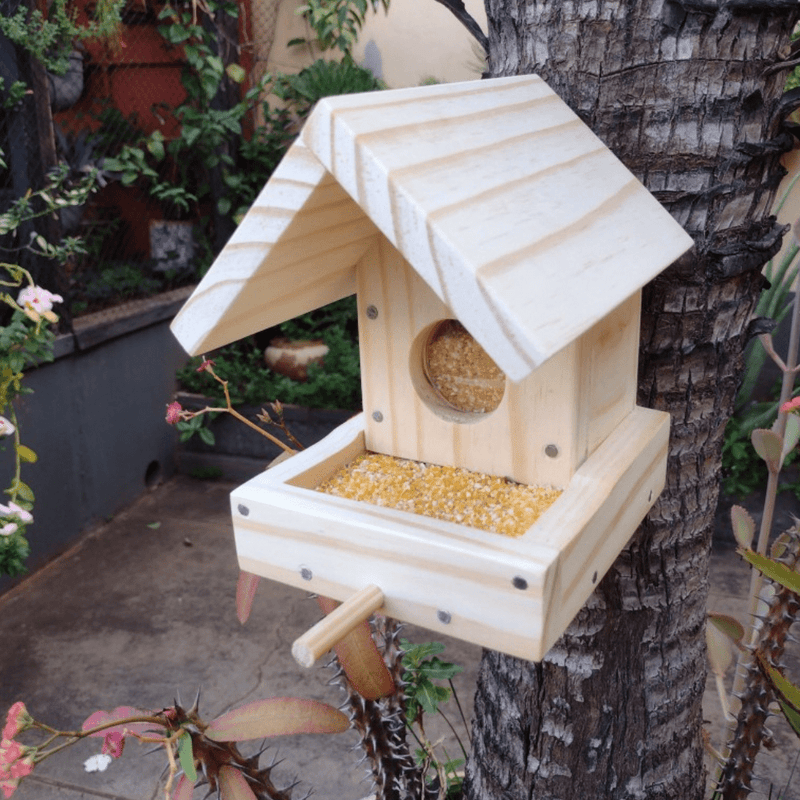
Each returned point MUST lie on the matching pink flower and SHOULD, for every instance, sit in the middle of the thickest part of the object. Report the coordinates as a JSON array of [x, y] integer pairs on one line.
[[6, 428], [17, 719], [9, 528], [174, 412], [113, 742], [37, 299], [206, 364], [791, 405], [16, 762]]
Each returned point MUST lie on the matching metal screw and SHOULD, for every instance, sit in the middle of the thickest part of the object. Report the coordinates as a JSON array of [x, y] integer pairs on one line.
[[444, 617], [519, 583], [377, 416], [306, 574], [551, 450], [243, 510], [372, 312]]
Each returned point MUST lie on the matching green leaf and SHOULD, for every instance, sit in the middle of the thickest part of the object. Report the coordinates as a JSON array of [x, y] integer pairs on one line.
[[792, 716], [26, 454], [186, 756], [236, 73], [774, 570], [24, 491], [206, 435], [276, 716], [784, 687], [769, 446], [154, 526], [743, 526], [429, 695], [436, 669], [156, 146]]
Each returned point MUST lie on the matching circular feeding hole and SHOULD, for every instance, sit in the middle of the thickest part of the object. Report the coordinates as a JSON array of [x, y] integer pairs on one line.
[[459, 370]]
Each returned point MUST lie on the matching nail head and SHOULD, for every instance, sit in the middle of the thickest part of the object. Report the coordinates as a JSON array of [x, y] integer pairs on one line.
[[306, 574], [519, 582], [243, 510], [444, 617], [551, 450], [372, 312], [377, 416]]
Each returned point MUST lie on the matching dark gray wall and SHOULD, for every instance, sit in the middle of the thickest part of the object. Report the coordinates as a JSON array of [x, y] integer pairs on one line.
[[96, 421]]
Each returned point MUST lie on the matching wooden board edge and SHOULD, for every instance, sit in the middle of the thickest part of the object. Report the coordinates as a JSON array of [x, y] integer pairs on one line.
[[602, 521]]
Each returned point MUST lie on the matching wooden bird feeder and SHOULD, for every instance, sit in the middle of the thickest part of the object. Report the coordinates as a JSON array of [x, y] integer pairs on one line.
[[498, 250]]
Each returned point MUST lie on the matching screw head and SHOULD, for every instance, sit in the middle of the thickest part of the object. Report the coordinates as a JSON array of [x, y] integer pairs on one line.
[[377, 416], [372, 312], [243, 510], [551, 450], [443, 617], [519, 582], [306, 574]]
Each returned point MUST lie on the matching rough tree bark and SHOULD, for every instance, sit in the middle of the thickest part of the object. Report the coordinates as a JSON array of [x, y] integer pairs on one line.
[[680, 90]]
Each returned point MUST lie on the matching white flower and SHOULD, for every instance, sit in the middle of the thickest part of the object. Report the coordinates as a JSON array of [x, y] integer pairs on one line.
[[37, 299], [6, 428], [8, 529], [17, 512], [97, 763]]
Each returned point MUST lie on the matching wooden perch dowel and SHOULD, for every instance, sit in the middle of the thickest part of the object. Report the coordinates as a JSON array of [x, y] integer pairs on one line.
[[328, 631]]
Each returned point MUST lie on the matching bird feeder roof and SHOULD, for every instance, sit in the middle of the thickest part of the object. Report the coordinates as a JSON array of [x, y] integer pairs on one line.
[[503, 201]]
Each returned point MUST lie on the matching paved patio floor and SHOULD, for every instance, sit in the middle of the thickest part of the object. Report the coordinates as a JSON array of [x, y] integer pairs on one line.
[[143, 608]]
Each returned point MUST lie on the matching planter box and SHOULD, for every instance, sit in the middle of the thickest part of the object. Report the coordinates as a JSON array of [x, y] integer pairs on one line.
[[96, 420], [240, 452]]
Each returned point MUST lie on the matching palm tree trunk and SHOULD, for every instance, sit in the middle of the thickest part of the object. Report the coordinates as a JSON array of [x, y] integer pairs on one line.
[[682, 92]]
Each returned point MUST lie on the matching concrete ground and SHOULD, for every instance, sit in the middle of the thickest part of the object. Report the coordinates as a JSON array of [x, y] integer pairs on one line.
[[143, 608]]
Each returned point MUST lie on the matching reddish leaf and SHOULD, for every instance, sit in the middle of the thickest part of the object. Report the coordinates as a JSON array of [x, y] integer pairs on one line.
[[730, 626], [122, 712], [743, 526], [359, 656], [769, 446], [184, 790], [277, 716], [233, 785], [245, 594]]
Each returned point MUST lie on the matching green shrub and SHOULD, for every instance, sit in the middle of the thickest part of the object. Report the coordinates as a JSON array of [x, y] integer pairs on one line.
[[337, 384]]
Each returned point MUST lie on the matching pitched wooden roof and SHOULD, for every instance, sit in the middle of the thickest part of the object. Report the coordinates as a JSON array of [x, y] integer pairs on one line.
[[505, 203]]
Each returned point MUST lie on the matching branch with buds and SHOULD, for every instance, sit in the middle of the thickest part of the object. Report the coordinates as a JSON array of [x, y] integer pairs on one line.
[[176, 413]]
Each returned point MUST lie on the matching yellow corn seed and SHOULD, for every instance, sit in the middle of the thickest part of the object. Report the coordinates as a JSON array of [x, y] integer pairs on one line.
[[453, 494]]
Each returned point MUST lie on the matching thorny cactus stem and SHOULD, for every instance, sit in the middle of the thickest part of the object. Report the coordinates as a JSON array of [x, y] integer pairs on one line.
[[751, 731], [381, 726]]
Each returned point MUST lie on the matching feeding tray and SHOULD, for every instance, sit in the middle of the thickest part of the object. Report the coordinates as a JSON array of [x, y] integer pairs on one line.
[[515, 595]]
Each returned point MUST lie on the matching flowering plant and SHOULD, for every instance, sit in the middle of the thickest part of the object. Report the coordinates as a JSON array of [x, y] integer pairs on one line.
[[203, 752], [26, 339]]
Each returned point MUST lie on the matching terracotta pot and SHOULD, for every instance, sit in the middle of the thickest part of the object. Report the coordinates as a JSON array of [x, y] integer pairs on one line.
[[294, 358]]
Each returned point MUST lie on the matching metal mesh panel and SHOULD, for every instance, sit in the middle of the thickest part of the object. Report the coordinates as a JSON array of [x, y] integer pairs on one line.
[[116, 93]]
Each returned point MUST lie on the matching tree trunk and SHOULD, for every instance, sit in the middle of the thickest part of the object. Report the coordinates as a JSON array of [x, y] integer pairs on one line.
[[680, 91]]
